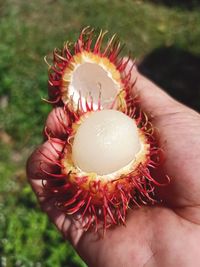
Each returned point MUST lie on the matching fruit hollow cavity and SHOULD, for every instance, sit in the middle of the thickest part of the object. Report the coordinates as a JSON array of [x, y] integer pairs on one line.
[[92, 80], [105, 142]]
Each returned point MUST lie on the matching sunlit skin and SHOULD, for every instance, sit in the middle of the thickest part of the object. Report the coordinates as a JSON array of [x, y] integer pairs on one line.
[[166, 235]]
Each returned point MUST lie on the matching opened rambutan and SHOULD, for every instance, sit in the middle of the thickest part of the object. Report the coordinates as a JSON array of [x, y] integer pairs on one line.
[[108, 143], [87, 69], [104, 166]]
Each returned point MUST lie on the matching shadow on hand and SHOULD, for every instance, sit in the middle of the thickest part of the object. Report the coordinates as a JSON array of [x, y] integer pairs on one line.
[[176, 71], [188, 4]]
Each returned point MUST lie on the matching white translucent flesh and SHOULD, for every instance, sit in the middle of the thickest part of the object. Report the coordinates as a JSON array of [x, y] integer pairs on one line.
[[91, 78], [105, 142]]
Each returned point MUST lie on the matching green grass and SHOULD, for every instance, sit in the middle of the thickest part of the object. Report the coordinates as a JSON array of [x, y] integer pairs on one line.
[[29, 31]]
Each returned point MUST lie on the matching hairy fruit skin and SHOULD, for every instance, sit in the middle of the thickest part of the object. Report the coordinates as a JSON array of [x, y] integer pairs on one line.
[[100, 202], [87, 45], [95, 200]]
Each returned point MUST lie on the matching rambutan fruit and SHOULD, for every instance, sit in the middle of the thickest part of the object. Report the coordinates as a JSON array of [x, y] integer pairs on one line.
[[87, 69], [104, 167], [108, 144]]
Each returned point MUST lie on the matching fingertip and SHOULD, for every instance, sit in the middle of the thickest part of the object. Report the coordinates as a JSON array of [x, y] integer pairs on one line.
[[153, 99], [43, 158], [57, 123]]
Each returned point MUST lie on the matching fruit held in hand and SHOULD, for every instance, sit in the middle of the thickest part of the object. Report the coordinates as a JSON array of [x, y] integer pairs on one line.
[[108, 144], [104, 167]]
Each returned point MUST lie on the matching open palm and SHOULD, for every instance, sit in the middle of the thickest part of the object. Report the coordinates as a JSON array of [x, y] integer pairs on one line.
[[167, 235]]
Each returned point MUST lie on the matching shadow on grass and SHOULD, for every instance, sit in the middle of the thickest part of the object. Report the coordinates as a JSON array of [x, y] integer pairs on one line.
[[188, 4], [176, 71]]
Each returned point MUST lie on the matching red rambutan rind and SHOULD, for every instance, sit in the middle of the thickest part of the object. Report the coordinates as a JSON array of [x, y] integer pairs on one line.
[[88, 49], [99, 202]]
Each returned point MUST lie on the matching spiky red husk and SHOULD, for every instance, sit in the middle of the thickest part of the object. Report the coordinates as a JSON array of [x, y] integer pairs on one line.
[[87, 42], [99, 203]]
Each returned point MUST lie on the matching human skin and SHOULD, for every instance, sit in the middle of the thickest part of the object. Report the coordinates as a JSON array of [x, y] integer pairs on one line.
[[165, 235]]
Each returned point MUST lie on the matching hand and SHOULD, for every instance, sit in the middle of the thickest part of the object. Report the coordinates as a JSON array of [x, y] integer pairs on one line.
[[165, 235]]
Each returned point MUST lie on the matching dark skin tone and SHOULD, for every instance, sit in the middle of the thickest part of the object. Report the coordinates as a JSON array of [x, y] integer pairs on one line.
[[165, 235]]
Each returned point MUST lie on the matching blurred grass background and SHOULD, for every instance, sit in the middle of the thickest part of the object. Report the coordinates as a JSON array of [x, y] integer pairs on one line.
[[163, 35]]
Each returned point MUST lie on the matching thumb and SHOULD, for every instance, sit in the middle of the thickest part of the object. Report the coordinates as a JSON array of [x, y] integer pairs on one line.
[[153, 100]]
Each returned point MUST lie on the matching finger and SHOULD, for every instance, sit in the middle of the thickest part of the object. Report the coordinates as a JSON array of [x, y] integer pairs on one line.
[[178, 128], [45, 158], [153, 100], [57, 123]]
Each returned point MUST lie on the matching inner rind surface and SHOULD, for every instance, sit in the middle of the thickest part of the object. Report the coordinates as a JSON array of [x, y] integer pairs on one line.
[[106, 142], [92, 79]]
